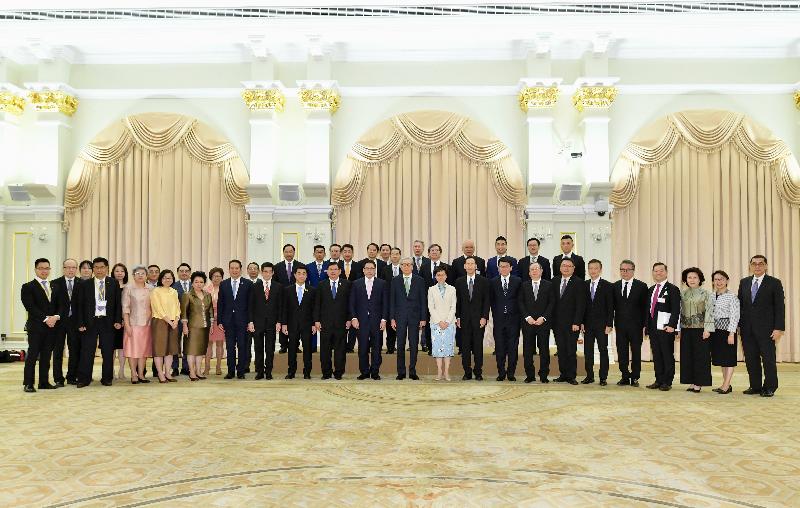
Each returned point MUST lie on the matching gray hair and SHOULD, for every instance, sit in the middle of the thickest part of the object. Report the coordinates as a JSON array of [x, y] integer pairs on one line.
[[137, 268], [410, 261]]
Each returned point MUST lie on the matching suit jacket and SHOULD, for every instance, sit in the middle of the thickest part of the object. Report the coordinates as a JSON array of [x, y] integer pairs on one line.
[[600, 311], [471, 311], [379, 265], [35, 300], [330, 312], [265, 313], [631, 312], [672, 304], [492, 270], [315, 277], [580, 266], [369, 311], [409, 308], [388, 274], [442, 308], [66, 303], [425, 265], [356, 271], [232, 311], [767, 312], [536, 306], [524, 265], [298, 316], [569, 308], [279, 272], [508, 303], [457, 268], [428, 275], [87, 302]]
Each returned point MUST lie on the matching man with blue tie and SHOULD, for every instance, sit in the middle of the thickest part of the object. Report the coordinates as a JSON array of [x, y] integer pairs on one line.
[[233, 317], [298, 321], [503, 298], [408, 311], [369, 308], [332, 319], [492, 265], [317, 269], [569, 309], [597, 322], [524, 264]]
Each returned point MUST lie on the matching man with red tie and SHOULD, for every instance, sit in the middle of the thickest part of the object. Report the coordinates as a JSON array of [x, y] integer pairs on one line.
[[665, 307]]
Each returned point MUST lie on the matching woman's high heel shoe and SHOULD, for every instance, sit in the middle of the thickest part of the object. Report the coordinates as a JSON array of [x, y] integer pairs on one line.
[[162, 381], [725, 392], [134, 381], [194, 378]]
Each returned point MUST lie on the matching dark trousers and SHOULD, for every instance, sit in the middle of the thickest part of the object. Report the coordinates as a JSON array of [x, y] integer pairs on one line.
[[532, 337], [695, 358], [74, 345], [40, 347], [407, 330], [391, 339], [103, 329], [629, 351], [471, 345], [590, 336], [567, 348], [370, 342], [66, 333], [264, 340], [352, 338], [758, 350], [236, 338], [663, 347], [293, 341], [426, 335], [333, 340], [283, 341], [506, 343]]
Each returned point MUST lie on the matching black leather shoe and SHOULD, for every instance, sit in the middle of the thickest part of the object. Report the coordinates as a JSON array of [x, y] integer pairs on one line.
[[247, 369], [752, 391], [572, 381], [29, 389], [259, 376], [399, 377], [623, 382], [337, 377], [768, 393], [229, 375], [665, 388], [603, 382], [587, 380], [289, 376], [376, 377], [81, 385], [282, 351], [479, 378], [60, 384], [511, 378], [268, 377], [72, 382], [654, 386], [544, 380], [414, 377], [530, 379], [175, 372], [560, 379], [390, 352], [306, 376], [241, 376], [325, 376], [184, 372], [46, 386], [362, 377], [105, 383], [635, 383], [466, 377], [499, 378]]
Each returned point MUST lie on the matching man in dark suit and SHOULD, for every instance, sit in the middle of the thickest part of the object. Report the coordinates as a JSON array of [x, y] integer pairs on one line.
[[350, 271], [504, 298], [420, 262], [297, 322], [100, 313], [524, 264], [385, 255], [492, 264], [391, 271], [762, 323], [435, 260], [45, 309], [266, 305], [284, 274], [372, 255], [472, 314], [317, 269], [332, 319], [369, 309], [630, 318], [597, 322], [408, 309], [233, 316], [567, 244], [662, 320], [182, 285], [457, 265], [569, 309], [67, 289], [536, 308]]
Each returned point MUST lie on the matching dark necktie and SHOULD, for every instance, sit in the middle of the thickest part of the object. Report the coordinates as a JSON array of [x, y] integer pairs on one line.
[[471, 285], [593, 288], [333, 289], [625, 291], [754, 290], [505, 293], [289, 270], [563, 287]]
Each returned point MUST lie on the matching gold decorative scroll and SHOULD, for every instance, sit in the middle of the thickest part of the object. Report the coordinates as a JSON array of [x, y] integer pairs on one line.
[[11, 103], [326, 99], [264, 99], [538, 97], [594, 97], [54, 101], [797, 99]]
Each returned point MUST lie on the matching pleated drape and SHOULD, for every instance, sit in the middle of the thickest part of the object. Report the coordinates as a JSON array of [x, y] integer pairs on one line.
[[711, 190], [430, 175], [157, 188]]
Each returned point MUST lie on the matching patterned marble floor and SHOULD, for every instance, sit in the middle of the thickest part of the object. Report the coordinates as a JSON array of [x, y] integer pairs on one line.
[[397, 443]]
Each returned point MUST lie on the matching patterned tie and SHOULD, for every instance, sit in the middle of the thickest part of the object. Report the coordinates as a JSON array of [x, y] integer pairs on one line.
[[593, 286], [654, 301], [333, 289], [266, 291], [319, 270], [535, 290], [186, 286], [395, 271], [101, 289], [407, 284], [470, 287], [369, 288], [235, 288], [289, 270], [46, 289], [347, 271], [505, 287], [625, 291], [753, 290], [69, 293], [563, 286]]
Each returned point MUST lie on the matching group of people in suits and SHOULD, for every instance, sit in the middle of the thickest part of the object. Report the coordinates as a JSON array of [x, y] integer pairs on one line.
[[419, 301]]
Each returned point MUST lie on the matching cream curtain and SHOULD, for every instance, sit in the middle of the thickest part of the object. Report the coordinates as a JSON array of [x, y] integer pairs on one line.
[[429, 175], [710, 189], [157, 188]]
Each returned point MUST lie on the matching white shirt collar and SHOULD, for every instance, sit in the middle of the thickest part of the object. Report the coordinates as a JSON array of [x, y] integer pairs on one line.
[[369, 279], [334, 281], [567, 255], [235, 279], [758, 279], [98, 280], [537, 281], [299, 285], [69, 279], [596, 280], [42, 280]]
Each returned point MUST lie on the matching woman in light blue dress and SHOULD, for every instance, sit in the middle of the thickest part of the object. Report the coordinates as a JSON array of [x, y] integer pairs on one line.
[[442, 308]]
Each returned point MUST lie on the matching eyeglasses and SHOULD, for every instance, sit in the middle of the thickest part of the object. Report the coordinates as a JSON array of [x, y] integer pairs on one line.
[[626, 269], [757, 263]]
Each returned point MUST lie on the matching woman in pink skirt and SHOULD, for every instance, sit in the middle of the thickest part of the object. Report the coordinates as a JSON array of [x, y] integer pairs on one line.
[[216, 339], [137, 342]]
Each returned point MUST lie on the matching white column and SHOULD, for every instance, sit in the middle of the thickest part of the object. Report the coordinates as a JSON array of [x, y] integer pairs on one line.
[[12, 105], [54, 103], [537, 97], [264, 99], [593, 98], [320, 99]]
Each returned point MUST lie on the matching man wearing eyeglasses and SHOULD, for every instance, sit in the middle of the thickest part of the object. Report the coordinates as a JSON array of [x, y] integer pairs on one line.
[[630, 318]]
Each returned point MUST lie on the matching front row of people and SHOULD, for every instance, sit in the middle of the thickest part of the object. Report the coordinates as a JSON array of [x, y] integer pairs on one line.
[[160, 323]]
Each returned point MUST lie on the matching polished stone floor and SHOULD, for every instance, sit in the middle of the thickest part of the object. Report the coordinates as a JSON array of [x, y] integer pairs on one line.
[[397, 443]]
